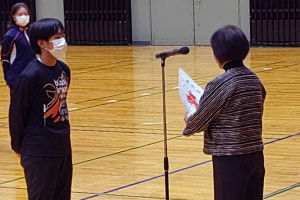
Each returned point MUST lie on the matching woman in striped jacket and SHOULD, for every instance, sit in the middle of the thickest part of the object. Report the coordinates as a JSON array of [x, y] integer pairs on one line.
[[230, 114], [16, 51]]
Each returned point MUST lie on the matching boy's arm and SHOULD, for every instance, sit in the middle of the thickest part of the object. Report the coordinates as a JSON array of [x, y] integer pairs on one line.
[[18, 111]]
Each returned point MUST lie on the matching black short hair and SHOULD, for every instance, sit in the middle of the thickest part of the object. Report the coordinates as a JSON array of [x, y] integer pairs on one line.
[[44, 29], [229, 43], [13, 11]]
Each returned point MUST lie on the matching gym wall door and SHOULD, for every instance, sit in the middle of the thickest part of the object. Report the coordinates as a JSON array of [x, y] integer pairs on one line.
[[191, 22]]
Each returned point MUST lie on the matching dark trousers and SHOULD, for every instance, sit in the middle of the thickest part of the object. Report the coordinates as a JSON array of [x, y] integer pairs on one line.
[[239, 177], [48, 178], [10, 90]]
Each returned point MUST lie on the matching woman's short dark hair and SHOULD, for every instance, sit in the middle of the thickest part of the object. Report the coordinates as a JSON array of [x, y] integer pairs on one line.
[[44, 29], [13, 11], [229, 43]]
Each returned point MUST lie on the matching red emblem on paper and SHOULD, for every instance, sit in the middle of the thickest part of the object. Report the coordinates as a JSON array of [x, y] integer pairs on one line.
[[192, 99]]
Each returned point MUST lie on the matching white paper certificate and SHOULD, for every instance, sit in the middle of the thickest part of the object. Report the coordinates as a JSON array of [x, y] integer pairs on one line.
[[189, 92]]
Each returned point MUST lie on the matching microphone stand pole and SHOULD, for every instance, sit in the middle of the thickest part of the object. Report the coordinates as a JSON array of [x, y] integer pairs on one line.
[[166, 161]]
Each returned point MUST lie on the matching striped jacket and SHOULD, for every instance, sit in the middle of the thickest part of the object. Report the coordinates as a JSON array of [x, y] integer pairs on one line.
[[16, 53], [230, 113]]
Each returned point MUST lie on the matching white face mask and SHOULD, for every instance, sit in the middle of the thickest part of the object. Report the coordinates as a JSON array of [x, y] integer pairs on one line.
[[22, 20], [59, 48]]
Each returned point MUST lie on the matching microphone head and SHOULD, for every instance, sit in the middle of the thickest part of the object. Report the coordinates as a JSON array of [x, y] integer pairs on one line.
[[184, 50]]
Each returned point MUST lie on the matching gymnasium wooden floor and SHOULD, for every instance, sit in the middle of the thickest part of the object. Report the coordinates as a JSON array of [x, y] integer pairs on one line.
[[115, 105]]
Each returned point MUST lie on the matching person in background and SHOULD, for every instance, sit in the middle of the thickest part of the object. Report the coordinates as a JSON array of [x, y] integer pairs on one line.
[[230, 114], [16, 51], [38, 115]]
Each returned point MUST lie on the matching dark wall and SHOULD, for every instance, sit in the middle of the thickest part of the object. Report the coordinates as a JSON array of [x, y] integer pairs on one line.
[[275, 22], [98, 22]]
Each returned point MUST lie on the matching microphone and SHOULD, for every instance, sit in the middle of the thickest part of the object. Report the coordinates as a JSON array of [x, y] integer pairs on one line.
[[182, 50]]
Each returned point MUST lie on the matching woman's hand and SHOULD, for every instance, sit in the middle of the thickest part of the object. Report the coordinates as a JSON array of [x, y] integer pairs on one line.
[[186, 117]]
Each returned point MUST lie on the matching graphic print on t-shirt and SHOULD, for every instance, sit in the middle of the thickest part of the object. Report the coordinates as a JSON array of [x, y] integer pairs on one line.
[[57, 93]]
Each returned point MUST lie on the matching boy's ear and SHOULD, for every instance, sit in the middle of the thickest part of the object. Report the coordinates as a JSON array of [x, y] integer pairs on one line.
[[41, 43]]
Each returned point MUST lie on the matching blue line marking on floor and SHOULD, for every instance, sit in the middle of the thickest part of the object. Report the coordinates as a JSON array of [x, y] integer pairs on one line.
[[176, 171]]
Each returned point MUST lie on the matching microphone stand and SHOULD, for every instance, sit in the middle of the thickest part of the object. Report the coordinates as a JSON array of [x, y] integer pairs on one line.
[[163, 56], [166, 161]]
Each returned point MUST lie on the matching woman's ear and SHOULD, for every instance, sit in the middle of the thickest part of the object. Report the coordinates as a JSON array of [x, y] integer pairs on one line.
[[14, 18], [217, 61]]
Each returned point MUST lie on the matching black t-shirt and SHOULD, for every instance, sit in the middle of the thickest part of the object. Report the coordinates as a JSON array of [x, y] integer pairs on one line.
[[38, 114]]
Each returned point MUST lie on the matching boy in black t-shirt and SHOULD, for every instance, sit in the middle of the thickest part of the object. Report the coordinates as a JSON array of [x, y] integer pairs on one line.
[[38, 116]]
